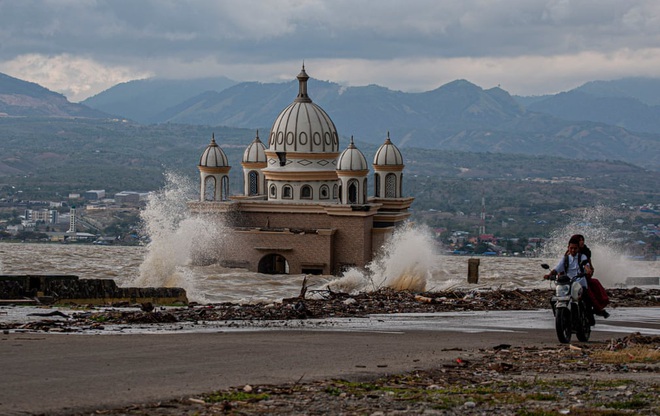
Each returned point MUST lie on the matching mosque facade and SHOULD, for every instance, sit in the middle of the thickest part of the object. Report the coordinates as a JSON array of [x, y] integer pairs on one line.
[[304, 207]]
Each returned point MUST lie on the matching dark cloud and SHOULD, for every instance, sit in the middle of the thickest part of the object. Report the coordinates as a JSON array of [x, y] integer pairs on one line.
[[339, 29], [147, 35]]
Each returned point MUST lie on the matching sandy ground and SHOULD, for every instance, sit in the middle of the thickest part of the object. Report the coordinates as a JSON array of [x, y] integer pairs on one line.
[[387, 353]]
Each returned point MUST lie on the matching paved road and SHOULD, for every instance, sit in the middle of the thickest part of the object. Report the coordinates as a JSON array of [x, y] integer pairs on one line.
[[57, 373]]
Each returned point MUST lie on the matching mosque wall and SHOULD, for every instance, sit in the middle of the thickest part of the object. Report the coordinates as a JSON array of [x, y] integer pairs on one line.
[[301, 250]]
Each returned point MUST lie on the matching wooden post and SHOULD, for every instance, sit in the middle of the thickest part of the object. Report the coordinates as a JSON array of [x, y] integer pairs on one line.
[[473, 270]]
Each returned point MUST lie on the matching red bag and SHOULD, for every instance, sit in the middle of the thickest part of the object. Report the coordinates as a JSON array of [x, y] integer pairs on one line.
[[597, 295]]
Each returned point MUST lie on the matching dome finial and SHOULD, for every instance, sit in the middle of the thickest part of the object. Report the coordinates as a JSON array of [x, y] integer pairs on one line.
[[352, 144], [213, 143], [388, 137], [302, 86]]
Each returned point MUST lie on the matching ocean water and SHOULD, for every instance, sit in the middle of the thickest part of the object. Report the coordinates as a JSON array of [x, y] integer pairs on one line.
[[217, 284], [410, 260]]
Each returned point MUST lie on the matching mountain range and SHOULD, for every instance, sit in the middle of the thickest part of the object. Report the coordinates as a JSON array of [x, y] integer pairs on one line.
[[614, 120], [20, 98]]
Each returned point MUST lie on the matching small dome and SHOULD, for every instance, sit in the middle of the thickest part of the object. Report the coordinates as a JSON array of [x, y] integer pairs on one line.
[[352, 159], [388, 154], [255, 152], [213, 156], [303, 127]]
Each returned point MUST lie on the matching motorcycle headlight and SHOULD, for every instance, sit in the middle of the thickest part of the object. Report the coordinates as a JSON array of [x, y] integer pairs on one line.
[[563, 290]]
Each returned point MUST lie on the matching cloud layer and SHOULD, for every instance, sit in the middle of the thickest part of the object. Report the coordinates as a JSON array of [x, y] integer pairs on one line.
[[527, 46]]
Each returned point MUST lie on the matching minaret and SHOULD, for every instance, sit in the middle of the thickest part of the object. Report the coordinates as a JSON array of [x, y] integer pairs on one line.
[[214, 173], [254, 160], [72, 220], [388, 170], [352, 170]]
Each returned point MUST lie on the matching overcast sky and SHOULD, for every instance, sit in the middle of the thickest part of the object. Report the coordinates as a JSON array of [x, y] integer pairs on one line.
[[528, 47]]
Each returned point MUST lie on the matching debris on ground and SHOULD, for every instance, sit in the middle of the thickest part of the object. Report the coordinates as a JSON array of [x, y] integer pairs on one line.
[[325, 304]]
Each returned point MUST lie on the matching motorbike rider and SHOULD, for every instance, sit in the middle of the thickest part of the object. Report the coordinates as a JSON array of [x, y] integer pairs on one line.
[[583, 249], [573, 263]]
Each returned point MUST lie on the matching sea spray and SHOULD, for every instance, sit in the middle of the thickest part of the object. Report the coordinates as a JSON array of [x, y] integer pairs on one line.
[[597, 225], [174, 235], [405, 262]]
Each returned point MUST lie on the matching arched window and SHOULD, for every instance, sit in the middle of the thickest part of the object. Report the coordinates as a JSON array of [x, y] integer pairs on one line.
[[364, 190], [209, 188], [324, 192], [390, 185], [225, 188], [353, 191], [335, 190], [377, 185], [253, 178], [306, 192], [273, 191], [287, 192]]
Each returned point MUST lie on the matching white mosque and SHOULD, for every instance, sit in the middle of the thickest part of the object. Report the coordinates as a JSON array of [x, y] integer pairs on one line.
[[304, 207]]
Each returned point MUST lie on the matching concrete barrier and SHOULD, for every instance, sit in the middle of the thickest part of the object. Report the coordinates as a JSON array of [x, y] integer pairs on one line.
[[473, 271], [71, 289]]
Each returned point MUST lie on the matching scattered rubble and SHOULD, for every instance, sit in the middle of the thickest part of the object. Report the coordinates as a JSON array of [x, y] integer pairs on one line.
[[320, 305]]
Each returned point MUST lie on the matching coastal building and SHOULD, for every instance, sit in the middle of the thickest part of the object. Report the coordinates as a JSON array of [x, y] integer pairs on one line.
[[305, 205], [48, 216], [94, 194], [130, 197]]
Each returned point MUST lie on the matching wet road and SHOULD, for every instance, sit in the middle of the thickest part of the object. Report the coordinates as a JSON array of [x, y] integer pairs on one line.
[[58, 373]]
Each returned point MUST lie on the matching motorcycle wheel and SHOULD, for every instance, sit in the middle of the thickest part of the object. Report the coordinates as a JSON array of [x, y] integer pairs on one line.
[[583, 330], [563, 325]]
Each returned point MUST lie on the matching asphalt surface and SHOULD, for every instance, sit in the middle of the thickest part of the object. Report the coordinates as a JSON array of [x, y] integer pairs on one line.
[[64, 373]]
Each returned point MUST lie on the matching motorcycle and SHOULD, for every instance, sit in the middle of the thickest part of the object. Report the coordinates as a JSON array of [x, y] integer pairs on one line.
[[568, 306]]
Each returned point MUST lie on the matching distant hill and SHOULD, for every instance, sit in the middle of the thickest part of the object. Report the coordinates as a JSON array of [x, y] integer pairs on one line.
[[631, 103], [368, 112], [20, 98], [457, 116], [646, 90], [141, 100]]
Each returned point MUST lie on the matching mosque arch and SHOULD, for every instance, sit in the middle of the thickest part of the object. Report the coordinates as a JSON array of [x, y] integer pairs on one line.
[[209, 188], [324, 192], [353, 189], [225, 188], [390, 186], [377, 185], [273, 263], [287, 192], [253, 180], [306, 192]]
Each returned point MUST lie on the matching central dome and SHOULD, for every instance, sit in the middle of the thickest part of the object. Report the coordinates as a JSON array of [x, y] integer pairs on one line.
[[303, 127]]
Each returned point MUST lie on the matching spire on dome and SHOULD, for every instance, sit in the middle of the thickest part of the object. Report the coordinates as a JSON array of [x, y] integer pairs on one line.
[[302, 86]]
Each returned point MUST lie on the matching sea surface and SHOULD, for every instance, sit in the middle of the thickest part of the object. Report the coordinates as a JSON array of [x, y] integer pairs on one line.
[[411, 259], [407, 264]]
